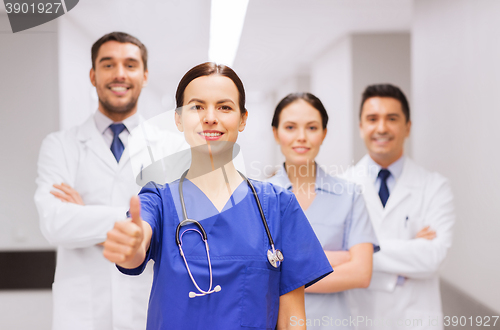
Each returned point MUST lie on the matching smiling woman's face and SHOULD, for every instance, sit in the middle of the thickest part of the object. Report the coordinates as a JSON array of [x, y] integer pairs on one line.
[[210, 111], [300, 132]]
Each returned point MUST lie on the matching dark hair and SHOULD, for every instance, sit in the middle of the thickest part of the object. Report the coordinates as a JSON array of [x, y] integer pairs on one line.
[[386, 90], [207, 69], [123, 38], [309, 98]]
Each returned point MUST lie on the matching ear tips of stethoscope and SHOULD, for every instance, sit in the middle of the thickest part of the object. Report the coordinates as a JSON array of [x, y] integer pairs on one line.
[[217, 288], [192, 294]]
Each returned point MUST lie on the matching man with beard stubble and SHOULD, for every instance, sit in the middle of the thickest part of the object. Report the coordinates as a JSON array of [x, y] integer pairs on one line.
[[412, 212], [85, 181]]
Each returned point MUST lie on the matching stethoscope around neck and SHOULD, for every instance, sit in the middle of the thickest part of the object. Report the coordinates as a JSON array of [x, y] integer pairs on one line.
[[274, 256]]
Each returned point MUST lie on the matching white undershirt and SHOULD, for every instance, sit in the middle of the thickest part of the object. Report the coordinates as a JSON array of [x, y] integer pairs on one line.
[[102, 123]]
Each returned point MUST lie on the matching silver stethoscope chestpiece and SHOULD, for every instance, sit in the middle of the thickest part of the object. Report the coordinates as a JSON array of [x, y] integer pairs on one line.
[[275, 258], [279, 255]]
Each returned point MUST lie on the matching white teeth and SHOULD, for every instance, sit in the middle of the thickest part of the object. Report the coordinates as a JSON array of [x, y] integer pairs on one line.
[[118, 89], [211, 134]]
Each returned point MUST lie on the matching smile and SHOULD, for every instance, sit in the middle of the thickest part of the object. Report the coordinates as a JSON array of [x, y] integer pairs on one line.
[[381, 139], [301, 150], [211, 135], [119, 90]]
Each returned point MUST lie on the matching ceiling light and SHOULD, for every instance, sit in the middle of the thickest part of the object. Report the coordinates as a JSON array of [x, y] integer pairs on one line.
[[226, 23]]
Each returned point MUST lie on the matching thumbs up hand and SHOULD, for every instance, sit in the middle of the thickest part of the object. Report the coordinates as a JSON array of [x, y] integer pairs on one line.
[[125, 243]]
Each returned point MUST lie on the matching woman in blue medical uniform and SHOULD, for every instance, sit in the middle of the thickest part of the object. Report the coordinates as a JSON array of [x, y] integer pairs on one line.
[[230, 269], [334, 207]]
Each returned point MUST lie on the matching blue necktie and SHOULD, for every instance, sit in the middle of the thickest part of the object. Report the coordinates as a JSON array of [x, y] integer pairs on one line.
[[117, 145], [384, 190]]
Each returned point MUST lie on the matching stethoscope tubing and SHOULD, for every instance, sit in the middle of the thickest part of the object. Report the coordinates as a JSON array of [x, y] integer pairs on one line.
[[189, 270], [275, 257], [185, 217], [262, 216]]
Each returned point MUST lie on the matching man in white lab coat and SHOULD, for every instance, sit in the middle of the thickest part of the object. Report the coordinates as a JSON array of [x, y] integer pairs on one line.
[[85, 181], [412, 213]]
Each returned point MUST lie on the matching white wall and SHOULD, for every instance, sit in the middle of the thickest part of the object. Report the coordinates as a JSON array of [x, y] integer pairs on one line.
[[29, 111], [339, 76], [456, 81], [26, 310], [379, 58], [257, 141], [77, 97], [331, 81], [296, 83]]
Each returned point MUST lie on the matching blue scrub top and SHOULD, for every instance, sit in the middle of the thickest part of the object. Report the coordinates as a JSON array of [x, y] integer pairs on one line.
[[340, 220], [238, 250]]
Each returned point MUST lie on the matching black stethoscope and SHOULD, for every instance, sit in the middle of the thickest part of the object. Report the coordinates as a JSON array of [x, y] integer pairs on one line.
[[274, 256]]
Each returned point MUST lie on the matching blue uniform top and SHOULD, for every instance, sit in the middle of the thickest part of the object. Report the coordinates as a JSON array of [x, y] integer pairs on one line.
[[238, 250], [339, 217]]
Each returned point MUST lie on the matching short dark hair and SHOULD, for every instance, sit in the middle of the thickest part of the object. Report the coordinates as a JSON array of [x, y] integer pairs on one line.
[[309, 98], [123, 38], [207, 69], [386, 90]]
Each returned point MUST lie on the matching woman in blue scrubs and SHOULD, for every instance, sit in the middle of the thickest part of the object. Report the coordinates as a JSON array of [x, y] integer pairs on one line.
[[334, 207], [231, 284]]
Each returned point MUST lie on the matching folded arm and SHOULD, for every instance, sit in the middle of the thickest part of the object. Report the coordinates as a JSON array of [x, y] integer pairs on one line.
[[337, 258], [68, 224], [355, 273], [421, 257]]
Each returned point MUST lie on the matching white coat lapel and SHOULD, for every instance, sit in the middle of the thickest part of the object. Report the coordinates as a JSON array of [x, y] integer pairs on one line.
[[371, 196], [94, 141], [403, 187], [148, 136], [142, 150]]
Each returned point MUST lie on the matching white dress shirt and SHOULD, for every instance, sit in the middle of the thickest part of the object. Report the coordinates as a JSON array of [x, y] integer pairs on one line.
[[395, 168], [102, 122]]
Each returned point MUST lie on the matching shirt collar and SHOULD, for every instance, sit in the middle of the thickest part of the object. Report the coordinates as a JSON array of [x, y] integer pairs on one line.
[[281, 178], [102, 122], [324, 182], [395, 168]]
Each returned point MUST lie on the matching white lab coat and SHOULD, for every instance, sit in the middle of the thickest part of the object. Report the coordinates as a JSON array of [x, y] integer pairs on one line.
[[89, 293], [420, 198]]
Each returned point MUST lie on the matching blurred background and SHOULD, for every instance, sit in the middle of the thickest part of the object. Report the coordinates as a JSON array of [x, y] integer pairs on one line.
[[444, 54]]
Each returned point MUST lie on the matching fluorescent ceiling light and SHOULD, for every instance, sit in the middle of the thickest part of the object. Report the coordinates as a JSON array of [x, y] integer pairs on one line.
[[226, 23]]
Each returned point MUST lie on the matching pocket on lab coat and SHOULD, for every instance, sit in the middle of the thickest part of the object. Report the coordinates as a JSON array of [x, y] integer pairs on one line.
[[72, 303], [260, 300], [410, 225]]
